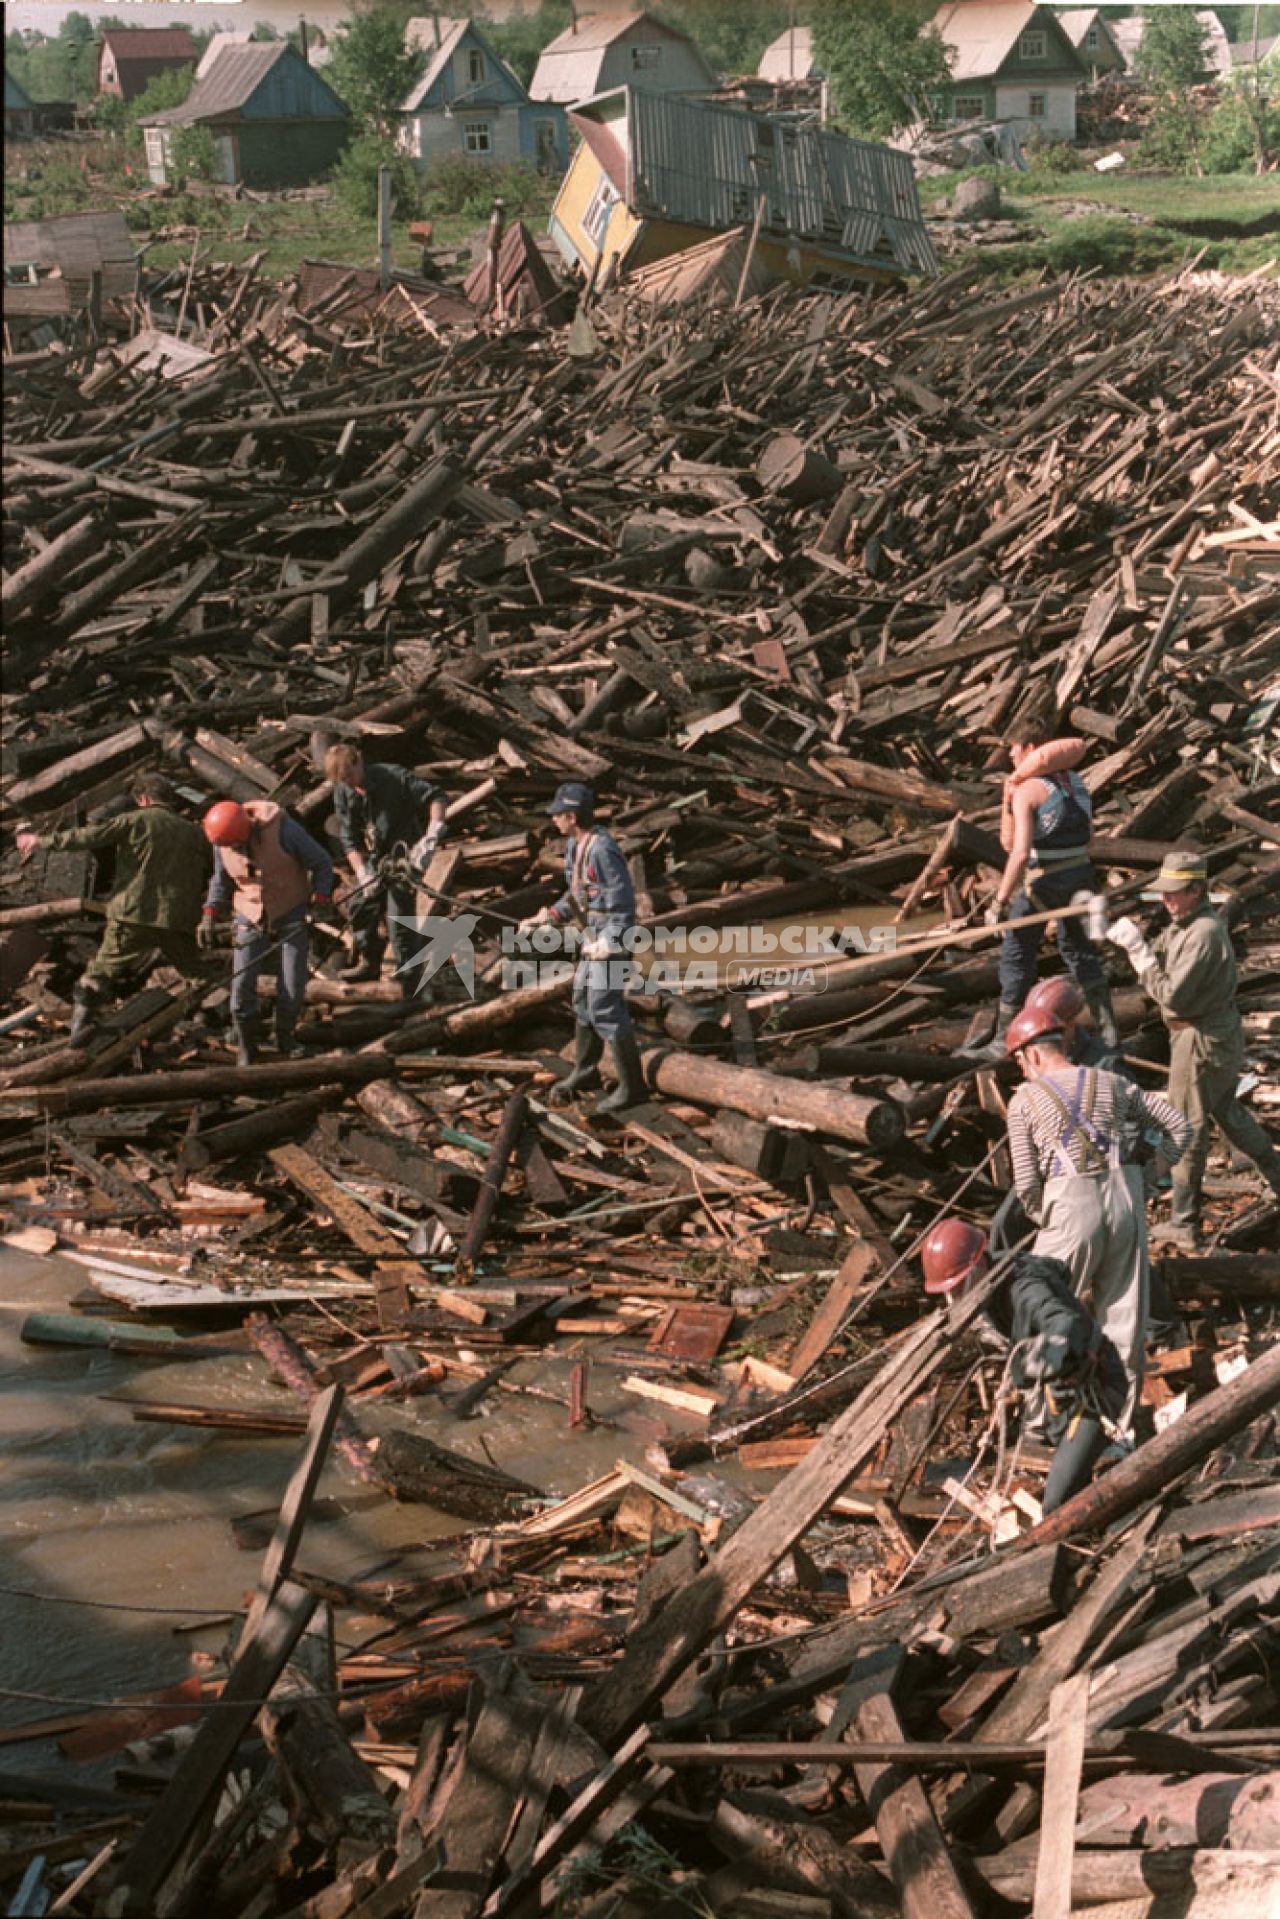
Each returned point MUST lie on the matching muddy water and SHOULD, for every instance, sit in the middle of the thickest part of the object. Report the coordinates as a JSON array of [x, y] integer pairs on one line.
[[98, 1506]]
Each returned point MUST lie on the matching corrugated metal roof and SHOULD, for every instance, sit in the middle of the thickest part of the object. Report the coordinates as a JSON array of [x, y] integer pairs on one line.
[[708, 165], [150, 43], [231, 83]]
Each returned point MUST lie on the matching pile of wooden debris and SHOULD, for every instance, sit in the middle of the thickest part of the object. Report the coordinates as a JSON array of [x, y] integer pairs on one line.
[[771, 580]]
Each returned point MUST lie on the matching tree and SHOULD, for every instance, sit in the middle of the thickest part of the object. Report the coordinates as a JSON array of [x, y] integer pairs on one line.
[[521, 39], [372, 70], [1172, 62], [731, 33], [882, 67]]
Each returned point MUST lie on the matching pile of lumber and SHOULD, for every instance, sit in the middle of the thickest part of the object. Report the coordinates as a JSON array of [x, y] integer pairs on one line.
[[771, 578]]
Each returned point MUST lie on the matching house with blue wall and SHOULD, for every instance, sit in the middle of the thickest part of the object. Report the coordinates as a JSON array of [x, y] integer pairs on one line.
[[273, 120], [470, 102]]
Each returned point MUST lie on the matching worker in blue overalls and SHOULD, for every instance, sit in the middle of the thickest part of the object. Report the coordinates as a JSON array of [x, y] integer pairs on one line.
[[1046, 827], [600, 899]]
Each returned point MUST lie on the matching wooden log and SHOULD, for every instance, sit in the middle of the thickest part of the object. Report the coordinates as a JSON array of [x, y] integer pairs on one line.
[[431, 1475], [772, 1152], [1133, 1873], [486, 1205], [53, 785], [291, 1364], [41, 575], [878, 1123], [394, 1109], [181, 1088], [335, 1792], [237, 1138], [1157, 1465], [1210, 1809], [48, 912], [1235, 1275]]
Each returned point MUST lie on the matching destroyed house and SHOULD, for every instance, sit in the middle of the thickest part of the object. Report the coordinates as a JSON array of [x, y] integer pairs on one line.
[[1010, 60], [129, 58], [470, 102], [654, 176], [274, 122]]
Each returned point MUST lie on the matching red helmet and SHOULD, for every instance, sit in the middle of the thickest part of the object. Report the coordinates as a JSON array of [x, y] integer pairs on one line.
[[1061, 997], [227, 824], [951, 1252], [1032, 1023]]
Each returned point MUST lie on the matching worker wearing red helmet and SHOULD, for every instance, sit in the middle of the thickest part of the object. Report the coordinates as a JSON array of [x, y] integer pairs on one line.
[[1071, 1130], [1068, 1369], [265, 870]]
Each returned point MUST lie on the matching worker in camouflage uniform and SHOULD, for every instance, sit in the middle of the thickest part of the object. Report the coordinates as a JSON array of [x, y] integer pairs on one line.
[[1071, 1133], [599, 898], [1060, 1358], [161, 869], [390, 822], [1190, 973]]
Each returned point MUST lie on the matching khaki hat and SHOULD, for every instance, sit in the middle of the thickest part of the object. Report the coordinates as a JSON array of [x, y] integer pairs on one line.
[[1179, 870]]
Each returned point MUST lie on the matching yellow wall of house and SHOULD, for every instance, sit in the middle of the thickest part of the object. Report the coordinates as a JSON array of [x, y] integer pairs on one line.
[[658, 239]]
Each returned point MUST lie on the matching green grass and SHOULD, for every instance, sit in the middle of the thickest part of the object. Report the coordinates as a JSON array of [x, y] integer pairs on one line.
[[1176, 218]]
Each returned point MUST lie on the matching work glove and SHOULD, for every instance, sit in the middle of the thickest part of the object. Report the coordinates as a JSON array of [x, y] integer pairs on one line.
[[543, 917], [1129, 937], [1047, 1357], [360, 867], [992, 913], [421, 852], [207, 931], [596, 946]]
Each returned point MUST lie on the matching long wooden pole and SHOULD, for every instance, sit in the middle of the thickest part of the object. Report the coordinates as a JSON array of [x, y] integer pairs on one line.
[[868, 1121]]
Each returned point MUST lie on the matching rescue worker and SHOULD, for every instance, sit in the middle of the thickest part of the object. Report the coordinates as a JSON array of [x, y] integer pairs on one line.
[[1190, 973], [1050, 823], [1061, 1359], [265, 869], [390, 822], [600, 898], [161, 866], [1062, 998], [1068, 1128]]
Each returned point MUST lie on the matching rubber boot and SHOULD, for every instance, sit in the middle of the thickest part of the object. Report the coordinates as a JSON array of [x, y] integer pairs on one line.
[[588, 1049], [1183, 1229], [84, 1010], [367, 965], [993, 1048], [1098, 1000], [631, 1089], [246, 1037]]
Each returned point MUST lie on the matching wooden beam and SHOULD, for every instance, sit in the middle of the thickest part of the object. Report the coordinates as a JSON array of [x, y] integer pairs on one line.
[[1068, 1718]]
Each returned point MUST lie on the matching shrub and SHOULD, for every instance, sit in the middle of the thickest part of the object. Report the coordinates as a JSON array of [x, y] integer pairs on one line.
[[355, 178], [194, 154], [458, 185], [1242, 130]]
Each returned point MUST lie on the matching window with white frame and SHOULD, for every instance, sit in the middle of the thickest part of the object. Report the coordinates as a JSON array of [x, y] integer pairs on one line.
[[1037, 106], [1033, 45], [970, 106], [477, 136], [475, 65], [596, 217], [1092, 40], [642, 57]]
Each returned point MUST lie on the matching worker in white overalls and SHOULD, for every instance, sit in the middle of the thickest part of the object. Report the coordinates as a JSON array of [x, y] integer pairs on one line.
[[1068, 1128]]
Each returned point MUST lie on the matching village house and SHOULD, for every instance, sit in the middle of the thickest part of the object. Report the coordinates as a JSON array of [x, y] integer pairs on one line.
[[130, 57], [470, 102], [1127, 34], [1264, 53], [1010, 60], [1093, 40], [19, 110], [274, 121], [606, 50], [655, 175]]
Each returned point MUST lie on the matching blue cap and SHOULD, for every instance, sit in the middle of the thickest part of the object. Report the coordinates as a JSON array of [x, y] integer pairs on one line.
[[573, 797]]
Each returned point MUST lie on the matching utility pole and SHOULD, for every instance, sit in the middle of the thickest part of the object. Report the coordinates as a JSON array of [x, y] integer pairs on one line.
[[384, 226]]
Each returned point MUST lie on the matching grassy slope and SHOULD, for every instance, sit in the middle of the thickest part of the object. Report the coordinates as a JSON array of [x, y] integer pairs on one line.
[[1177, 219]]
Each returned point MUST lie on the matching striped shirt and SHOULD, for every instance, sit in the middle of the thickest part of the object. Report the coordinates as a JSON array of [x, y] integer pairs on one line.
[[1044, 1144]]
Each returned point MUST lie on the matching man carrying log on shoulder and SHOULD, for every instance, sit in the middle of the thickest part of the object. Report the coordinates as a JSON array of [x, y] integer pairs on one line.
[[1190, 972], [1045, 828], [265, 869], [390, 822], [1069, 1131], [1060, 1358], [162, 864], [600, 898]]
